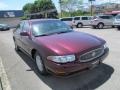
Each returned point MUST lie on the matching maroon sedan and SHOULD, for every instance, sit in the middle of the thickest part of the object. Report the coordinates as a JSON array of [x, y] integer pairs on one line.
[[56, 48]]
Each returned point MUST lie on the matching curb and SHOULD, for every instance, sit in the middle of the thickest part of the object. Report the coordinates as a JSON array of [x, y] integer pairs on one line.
[[5, 85]]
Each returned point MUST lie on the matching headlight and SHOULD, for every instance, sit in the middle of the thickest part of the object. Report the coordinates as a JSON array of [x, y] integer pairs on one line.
[[62, 59], [105, 45]]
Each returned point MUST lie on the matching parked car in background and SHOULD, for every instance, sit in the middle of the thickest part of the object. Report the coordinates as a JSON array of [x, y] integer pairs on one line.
[[4, 27], [57, 48], [80, 21], [117, 22], [100, 21], [68, 20]]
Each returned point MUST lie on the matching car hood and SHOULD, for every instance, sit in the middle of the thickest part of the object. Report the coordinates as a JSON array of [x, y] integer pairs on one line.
[[69, 43]]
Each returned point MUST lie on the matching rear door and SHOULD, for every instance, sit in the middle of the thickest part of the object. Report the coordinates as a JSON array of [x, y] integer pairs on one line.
[[107, 20], [76, 20], [85, 20], [111, 19]]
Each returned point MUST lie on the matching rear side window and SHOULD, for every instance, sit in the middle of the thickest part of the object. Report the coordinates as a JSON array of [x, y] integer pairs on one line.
[[106, 17], [77, 18], [84, 18], [66, 19]]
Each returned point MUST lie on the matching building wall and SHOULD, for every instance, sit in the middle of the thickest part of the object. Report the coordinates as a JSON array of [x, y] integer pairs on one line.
[[10, 21], [106, 8]]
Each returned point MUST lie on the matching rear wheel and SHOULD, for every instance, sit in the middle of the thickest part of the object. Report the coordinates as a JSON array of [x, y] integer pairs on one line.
[[113, 26], [79, 25], [118, 28], [40, 64], [100, 25]]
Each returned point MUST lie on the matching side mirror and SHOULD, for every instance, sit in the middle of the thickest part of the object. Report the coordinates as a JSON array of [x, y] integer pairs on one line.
[[24, 34]]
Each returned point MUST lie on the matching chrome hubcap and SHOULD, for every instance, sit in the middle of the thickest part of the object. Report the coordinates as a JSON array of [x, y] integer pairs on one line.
[[100, 26], [39, 63], [79, 25]]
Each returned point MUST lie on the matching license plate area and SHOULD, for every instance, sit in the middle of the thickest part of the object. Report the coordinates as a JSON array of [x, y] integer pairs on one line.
[[94, 64]]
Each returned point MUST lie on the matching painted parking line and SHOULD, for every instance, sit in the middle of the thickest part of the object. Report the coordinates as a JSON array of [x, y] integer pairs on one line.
[[5, 85]]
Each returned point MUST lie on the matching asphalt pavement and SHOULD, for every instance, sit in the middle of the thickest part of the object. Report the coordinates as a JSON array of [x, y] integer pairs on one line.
[[23, 75]]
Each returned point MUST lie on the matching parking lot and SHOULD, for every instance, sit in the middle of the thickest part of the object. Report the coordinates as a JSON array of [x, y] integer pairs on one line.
[[23, 75]]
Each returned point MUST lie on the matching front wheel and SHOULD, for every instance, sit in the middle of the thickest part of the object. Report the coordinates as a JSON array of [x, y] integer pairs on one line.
[[79, 25], [40, 64], [118, 28], [100, 25]]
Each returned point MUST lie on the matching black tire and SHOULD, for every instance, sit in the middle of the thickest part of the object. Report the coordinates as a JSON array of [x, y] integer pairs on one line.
[[113, 26], [100, 25], [40, 64], [118, 28], [79, 25]]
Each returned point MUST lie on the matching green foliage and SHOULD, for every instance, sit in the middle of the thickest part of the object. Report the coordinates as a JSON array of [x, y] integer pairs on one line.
[[23, 18], [71, 6], [75, 13], [42, 5], [39, 6], [28, 8]]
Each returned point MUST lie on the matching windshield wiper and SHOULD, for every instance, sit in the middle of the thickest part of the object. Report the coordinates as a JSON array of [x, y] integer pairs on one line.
[[45, 34], [42, 35], [64, 32], [53, 33]]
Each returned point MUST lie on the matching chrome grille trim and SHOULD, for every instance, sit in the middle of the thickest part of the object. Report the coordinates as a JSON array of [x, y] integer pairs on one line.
[[92, 51]]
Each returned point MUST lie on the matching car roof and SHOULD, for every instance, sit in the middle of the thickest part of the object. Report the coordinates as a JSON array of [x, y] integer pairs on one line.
[[66, 17], [39, 20], [83, 16], [104, 15]]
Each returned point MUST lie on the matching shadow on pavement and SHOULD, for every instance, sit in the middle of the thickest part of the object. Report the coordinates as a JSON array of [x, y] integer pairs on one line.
[[84, 80]]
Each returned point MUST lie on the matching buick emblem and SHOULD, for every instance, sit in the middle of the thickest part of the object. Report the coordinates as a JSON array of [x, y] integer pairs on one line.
[[93, 54]]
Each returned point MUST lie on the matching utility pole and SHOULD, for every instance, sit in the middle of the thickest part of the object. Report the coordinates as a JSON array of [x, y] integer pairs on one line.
[[91, 6], [91, 9], [60, 2]]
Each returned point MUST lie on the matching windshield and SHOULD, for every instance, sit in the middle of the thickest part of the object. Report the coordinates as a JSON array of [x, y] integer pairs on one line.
[[3, 25], [49, 27]]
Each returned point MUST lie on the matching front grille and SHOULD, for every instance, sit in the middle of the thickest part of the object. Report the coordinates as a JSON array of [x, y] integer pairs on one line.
[[91, 55]]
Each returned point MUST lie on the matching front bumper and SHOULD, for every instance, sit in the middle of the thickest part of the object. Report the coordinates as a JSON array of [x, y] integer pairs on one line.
[[68, 68]]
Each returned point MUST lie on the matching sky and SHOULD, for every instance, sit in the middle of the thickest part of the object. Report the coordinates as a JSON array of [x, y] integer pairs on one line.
[[18, 4]]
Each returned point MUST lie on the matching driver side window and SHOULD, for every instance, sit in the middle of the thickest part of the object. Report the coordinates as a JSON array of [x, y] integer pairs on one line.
[[19, 27]]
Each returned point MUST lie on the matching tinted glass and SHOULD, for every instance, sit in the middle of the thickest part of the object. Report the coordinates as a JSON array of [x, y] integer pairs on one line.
[[77, 18], [66, 19], [49, 27], [106, 17], [84, 18]]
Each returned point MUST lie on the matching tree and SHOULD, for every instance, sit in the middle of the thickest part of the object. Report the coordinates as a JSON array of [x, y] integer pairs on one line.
[[28, 8], [70, 5], [41, 6]]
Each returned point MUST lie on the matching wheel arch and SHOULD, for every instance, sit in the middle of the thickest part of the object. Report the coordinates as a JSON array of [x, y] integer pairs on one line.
[[101, 23]]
